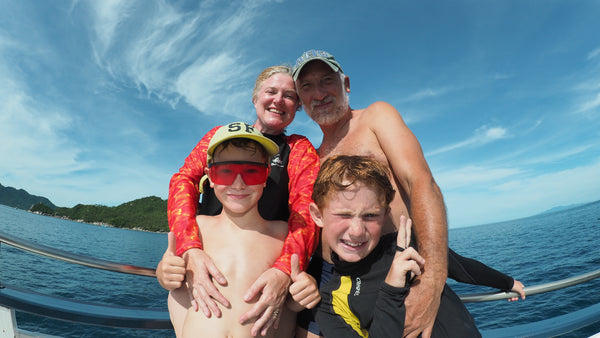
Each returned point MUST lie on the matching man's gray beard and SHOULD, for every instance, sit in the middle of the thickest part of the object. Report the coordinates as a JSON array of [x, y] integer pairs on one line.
[[327, 118]]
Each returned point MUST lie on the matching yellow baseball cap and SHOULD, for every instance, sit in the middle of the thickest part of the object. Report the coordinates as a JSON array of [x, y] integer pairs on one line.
[[240, 130]]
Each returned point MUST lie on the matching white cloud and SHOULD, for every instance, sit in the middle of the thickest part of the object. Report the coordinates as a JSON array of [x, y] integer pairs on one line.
[[472, 176], [593, 54], [171, 53], [214, 85], [590, 105], [481, 136], [426, 93], [33, 143], [520, 196], [555, 156]]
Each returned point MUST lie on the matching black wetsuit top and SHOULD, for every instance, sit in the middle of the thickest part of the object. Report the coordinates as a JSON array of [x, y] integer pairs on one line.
[[357, 301]]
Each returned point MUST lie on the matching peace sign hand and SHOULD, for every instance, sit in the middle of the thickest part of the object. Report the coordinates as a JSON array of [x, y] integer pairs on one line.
[[407, 260]]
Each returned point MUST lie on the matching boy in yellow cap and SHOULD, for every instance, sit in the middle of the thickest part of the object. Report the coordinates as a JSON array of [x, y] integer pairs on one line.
[[241, 243]]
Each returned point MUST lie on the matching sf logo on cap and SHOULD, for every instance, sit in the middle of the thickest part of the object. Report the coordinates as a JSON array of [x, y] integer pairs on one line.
[[239, 126]]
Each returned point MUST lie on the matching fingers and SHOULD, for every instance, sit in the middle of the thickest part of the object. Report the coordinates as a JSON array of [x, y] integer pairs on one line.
[[254, 290], [305, 291], [207, 295], [295, 265], [404, 232], [519, 288], [216, 274], [272, 287], [406, 264], [268, 319], [408, 231], [202, 289], [427, 332], [171, 247]]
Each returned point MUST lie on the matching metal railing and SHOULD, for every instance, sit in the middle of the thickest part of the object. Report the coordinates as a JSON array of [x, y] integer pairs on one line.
[[18, 299]]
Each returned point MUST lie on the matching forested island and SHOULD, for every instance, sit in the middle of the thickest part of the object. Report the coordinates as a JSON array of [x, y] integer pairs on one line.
[[148, 213]]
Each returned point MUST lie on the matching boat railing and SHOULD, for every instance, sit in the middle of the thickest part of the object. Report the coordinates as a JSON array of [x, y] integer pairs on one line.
[[18, 299]]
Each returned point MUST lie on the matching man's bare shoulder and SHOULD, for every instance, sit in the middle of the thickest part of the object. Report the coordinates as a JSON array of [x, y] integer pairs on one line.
[[378, 115], [378, 109]]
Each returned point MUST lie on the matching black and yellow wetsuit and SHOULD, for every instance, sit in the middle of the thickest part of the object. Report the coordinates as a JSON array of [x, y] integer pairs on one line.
[[357, 302]]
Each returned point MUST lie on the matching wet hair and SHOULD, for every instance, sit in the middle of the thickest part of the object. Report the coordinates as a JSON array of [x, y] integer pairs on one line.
[[340, 172], [243, 143]]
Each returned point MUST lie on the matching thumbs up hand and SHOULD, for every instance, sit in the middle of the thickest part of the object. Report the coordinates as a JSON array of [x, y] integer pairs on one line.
[[170, 271], [304, 289]]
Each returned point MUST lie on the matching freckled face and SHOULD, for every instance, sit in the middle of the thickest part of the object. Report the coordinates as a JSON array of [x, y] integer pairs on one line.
[[352, 221], [276, 104], [322, 93], [237, 197]]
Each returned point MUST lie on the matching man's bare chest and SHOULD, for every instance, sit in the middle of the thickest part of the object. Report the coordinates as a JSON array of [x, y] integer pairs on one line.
[[356, 142]]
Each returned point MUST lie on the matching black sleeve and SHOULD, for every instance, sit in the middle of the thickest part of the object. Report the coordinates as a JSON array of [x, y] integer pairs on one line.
[[389, 313], [467, 270]]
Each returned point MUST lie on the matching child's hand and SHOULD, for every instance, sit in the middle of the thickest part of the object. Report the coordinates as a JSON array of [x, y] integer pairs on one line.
[[304, 289], [170, 271], [407, 260], [518, 288]]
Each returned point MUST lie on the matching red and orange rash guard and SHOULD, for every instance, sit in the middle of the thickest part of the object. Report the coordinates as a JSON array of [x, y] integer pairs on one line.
[[302, 168]]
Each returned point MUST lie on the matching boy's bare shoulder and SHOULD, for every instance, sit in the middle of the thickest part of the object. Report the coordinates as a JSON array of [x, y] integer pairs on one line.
[[279, 228]]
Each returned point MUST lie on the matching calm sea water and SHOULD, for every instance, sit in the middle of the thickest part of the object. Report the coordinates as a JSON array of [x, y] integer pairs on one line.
[[534, 250]]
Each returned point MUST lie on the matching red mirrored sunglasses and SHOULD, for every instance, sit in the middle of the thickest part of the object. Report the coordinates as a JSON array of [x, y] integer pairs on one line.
[[225, 173]]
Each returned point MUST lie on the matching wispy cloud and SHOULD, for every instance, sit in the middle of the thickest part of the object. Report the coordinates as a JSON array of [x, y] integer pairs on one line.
[[511, 196], [173, 54], [482, 136], [473, 176], [34, 141], [502, 76], [554, 157], [426, 94], [593, 53], [589, 105]]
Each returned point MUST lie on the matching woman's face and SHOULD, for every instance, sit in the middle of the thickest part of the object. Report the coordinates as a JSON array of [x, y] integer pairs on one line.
[[276, 104]]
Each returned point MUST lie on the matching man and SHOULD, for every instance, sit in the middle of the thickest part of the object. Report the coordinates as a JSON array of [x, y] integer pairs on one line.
[[379, 131]]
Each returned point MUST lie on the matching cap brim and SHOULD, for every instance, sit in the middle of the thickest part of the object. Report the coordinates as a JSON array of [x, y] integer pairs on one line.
[[298, 70]]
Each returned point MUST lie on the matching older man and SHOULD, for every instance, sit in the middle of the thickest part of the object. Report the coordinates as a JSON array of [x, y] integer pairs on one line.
[[379, 131]]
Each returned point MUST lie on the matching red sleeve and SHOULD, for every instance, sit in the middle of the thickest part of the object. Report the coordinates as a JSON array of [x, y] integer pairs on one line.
[[184, 195], [303, 237]]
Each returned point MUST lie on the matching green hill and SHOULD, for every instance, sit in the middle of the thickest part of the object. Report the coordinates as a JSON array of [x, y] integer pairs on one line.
[[21, 199], [148, 213]]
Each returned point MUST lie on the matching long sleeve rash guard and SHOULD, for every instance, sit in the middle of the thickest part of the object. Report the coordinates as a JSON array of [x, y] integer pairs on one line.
[[296, 154]]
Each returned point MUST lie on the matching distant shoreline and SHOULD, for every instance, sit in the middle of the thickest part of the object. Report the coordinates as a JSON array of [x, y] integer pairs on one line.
[[102, 224]]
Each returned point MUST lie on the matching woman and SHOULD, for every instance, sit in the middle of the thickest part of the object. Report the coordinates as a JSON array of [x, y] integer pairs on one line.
[[286, 197]]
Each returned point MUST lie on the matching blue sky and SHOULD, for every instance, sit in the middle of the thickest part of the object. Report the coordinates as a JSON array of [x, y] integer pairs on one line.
[[101, 101]]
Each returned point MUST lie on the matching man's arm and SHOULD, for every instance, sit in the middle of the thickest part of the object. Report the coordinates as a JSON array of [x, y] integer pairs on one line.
[[427, 211]]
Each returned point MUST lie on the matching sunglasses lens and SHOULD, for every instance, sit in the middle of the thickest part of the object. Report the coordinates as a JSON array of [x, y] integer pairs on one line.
[[226, 173]]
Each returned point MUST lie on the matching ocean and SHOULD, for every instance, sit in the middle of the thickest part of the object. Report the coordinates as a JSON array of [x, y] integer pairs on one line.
[[534, 250]]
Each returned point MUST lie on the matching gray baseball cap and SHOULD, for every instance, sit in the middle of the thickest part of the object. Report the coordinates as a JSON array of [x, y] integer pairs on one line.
[[312, 55]]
